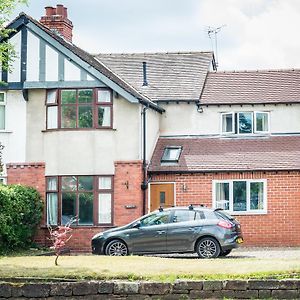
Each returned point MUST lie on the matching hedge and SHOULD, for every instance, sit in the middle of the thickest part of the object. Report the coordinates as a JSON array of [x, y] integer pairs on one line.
[[20, 214]]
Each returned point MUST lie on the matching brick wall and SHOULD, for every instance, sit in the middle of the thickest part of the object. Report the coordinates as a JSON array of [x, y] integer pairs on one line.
[[279, 227], [128, 195]]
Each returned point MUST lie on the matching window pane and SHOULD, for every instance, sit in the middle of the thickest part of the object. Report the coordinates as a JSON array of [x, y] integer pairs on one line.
[[162, 198], [239, 196], [68, 116], [2, 117], [52, 209], [104, 208], [227, 123], [104, 96], [68, 96], [156, 219], [262, 121], [2, 97], [85, 117], [69, 183], [86, 208], [171, 154], [51, 96], [103, 116], [104, 183], [51, 184], [222, 195], [85, 96], [257, 195], [245, 122], [52, 117], [183, 216], [68, 207], [85, 183]]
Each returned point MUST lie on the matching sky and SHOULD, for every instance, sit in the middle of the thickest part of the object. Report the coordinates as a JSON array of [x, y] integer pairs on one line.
[[254, 34]]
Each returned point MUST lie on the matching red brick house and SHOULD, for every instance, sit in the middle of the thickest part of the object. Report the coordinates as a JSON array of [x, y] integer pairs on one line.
[[109, 137]]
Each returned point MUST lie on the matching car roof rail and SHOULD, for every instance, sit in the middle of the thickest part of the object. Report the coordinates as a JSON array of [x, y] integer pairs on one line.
[[161, 209], [191, 207], [217, 209]]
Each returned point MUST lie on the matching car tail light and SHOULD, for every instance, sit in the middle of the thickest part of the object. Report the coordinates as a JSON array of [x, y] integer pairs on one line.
[[225, 224]]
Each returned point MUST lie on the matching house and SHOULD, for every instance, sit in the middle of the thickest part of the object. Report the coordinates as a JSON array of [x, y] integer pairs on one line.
[[109, 137]]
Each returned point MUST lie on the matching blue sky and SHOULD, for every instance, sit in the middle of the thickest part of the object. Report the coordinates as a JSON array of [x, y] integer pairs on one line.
[[258, 34]]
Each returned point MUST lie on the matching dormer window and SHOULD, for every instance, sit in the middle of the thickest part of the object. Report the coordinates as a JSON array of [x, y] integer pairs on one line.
[[243, 123], [171, 154]]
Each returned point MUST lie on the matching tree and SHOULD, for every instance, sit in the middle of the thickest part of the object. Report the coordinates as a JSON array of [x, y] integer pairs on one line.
[[7, 51]]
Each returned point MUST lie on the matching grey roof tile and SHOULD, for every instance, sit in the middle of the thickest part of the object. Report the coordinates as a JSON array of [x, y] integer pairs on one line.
[[170, 76]]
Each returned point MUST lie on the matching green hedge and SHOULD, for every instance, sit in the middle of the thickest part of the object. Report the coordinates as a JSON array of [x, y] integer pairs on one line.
[[20, 214]]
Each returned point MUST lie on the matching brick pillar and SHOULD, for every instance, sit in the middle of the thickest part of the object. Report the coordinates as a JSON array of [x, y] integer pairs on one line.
[[128, 195]]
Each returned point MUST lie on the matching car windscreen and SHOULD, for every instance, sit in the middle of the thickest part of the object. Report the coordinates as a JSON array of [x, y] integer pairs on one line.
[[224, 215]]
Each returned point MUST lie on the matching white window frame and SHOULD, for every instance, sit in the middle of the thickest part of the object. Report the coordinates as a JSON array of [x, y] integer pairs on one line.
[[233, 123], [248, 210], [255, 122], [2, 180], [4, 104]]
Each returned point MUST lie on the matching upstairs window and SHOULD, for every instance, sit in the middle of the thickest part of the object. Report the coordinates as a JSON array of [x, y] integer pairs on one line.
[[79, 108], [245, 123], [171, 154], [2, 110]]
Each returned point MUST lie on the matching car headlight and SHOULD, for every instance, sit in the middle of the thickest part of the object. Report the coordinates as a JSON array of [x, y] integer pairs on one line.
[[97, 235]]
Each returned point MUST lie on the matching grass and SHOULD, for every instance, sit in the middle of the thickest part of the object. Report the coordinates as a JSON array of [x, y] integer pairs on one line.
[[147, 268]]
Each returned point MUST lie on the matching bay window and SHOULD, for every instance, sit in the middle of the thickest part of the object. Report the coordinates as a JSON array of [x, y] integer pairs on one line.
[[240, 195], [79, 108], [87, 199], [245, 122]]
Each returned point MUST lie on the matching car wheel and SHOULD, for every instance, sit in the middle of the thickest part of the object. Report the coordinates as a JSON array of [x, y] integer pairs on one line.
[[225, 252], [116, 248], [208, 248]]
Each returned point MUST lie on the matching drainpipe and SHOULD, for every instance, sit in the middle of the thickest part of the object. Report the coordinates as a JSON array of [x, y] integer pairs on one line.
[[144, 185]]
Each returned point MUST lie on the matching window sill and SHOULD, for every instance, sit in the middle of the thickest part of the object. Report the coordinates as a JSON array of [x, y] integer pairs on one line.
[[78, 129], [5, 131], [247, 213], [237, 136]]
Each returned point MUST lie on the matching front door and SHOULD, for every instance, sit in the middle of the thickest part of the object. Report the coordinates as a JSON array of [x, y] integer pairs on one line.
[[161, 194]]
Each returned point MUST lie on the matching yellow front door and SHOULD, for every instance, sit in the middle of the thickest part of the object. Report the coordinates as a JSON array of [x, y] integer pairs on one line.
[[161, 194]]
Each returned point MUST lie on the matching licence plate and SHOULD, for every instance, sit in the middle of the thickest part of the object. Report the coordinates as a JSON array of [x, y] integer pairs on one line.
[[239, 240]]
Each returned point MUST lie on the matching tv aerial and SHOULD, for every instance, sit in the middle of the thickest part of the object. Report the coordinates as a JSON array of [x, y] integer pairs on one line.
[[212, 34]]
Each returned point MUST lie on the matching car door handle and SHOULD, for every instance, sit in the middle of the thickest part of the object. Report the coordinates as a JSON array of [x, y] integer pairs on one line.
[[161, 232]]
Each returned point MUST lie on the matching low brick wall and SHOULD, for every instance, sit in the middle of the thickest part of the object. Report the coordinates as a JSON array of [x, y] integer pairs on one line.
[[233, 289]]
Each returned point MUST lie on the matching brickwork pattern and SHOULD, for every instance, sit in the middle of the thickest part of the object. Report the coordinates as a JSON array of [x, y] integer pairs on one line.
[[230, 289], [279, 227]]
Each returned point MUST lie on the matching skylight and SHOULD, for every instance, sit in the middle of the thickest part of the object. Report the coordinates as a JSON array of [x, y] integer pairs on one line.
[[171, 154]]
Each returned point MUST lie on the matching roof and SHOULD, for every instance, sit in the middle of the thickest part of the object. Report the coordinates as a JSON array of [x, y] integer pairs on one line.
[[252, 87], [230, 154], [88, 58], [170, 76]]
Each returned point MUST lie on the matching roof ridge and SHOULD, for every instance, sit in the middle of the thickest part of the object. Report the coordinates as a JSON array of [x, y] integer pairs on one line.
[[154, 53], [255, 71]]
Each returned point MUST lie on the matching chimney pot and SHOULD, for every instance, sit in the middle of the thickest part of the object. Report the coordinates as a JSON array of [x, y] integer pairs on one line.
[[49, 11], [60, 10], [145, 82]]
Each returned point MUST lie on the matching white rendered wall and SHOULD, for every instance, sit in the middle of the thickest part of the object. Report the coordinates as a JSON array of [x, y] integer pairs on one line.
[[15, 74], [152, 125], [183, 119], [14, 135], [82, 152], [33, 57]]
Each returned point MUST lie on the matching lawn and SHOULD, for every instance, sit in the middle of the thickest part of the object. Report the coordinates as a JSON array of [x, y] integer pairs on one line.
[[144, 267]]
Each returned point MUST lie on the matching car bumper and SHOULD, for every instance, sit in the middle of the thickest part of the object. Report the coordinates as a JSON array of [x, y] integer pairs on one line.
[[232, 243], [98, 246]]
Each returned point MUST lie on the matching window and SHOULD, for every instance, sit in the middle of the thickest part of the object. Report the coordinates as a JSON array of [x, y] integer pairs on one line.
[[2, 110], [86, 198], [79, 108], [2, 180], [171, 154], [184, 216], [245, 123], [158, 218], [240, 195]]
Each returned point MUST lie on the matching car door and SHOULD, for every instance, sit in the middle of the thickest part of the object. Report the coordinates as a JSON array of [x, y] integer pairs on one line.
[[183, 230], [150, 236]]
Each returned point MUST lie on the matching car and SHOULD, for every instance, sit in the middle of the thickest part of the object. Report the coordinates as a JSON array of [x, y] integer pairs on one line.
[[208, 232]]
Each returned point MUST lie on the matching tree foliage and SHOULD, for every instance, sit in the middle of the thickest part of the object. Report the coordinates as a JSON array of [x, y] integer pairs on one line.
[[7, 51], [20, 215]]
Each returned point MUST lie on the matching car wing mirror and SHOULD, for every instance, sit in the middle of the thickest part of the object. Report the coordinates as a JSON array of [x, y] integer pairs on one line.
[[137, 225]]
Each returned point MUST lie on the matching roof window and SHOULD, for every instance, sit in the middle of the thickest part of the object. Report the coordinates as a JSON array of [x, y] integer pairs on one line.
[[171, 154]]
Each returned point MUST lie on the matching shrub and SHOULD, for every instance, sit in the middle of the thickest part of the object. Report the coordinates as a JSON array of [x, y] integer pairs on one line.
[[20, 214]]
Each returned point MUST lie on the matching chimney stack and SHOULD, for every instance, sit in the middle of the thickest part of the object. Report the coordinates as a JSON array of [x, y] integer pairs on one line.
[[56, 19]]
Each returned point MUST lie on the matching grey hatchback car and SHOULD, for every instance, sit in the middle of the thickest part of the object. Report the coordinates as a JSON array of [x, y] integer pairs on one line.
[[210, 233]]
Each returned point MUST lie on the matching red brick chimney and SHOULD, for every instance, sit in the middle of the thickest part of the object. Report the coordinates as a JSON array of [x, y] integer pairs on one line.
[[56, 19]]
